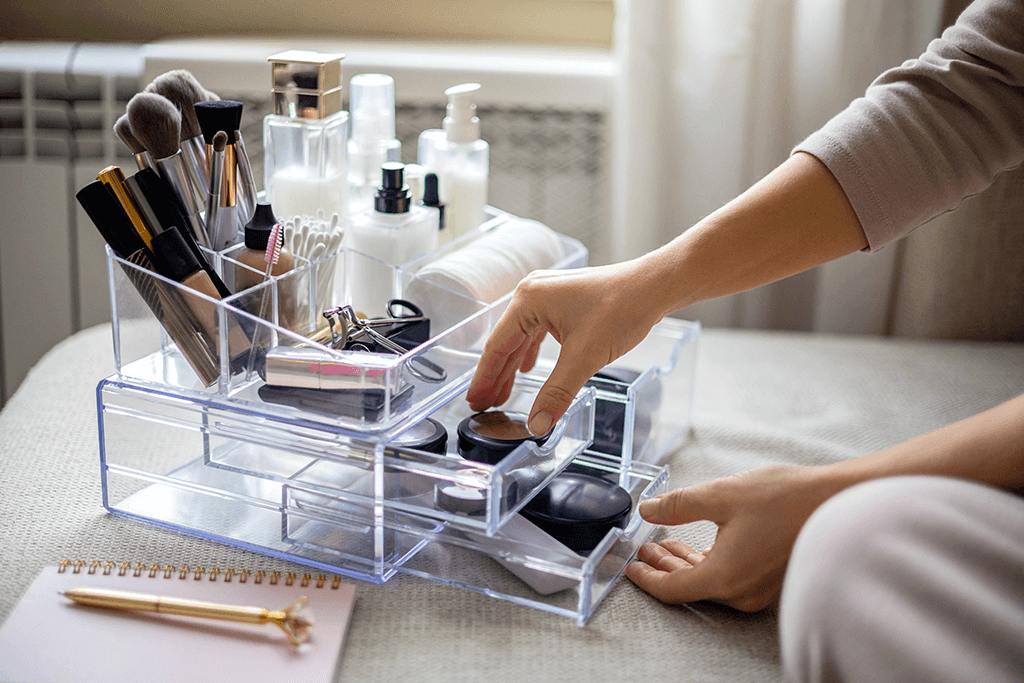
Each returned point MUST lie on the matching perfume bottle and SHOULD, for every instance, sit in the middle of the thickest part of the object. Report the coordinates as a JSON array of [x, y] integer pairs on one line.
[[306, 138]]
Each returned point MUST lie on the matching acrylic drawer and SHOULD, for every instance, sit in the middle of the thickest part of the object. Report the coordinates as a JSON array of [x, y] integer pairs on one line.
[[519, 563], [153, 469]]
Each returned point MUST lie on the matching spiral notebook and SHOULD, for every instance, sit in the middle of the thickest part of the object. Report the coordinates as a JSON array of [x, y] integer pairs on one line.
[[49, 638]]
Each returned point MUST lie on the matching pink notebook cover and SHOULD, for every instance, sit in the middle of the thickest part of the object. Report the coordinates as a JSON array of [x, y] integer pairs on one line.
[[49, 638]]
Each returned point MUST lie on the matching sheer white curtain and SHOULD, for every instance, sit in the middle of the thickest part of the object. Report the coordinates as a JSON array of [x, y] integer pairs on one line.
[[713, 94]]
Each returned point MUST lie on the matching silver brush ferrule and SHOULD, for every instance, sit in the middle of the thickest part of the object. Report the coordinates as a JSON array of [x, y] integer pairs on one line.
[[172, 169]]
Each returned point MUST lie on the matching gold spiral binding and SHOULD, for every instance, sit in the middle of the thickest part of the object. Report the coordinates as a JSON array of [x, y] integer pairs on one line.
[[183, 572]]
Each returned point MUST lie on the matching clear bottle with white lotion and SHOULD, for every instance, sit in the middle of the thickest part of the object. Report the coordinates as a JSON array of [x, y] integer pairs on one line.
[[373, 142], [461, 162], [306, 138], [396, 232]]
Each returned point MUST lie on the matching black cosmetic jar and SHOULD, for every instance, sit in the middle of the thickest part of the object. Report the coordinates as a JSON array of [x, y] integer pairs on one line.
[[490, 436], [427, 435], [579, 509]]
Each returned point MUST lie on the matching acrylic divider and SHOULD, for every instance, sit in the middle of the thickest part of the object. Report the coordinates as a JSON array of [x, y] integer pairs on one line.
[[645, 402]]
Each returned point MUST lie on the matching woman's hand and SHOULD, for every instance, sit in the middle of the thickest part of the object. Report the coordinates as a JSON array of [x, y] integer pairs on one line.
[[596, 314], [758, 513]]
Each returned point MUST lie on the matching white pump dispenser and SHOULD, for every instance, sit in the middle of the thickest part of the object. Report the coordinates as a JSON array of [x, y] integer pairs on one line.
[[461, 163]]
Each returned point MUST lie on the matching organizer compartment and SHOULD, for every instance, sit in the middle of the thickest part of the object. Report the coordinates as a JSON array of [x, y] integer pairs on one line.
[[218, 341], [418, 483]]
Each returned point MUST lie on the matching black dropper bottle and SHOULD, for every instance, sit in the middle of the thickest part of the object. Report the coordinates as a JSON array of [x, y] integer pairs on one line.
[[431, 197], [257, 230], [393, 194]]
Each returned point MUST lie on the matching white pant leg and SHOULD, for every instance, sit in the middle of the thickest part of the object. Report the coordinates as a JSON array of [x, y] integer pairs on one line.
[[907, 579]]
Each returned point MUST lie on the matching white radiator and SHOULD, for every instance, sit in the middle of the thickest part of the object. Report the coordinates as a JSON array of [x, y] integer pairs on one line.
[[546, 114]]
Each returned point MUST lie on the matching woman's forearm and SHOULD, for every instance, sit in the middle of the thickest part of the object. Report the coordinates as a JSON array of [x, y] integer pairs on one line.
[[987, 448], [795, 218]]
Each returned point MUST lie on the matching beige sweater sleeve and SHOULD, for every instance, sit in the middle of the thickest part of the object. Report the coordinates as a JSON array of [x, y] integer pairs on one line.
[[936, 130]]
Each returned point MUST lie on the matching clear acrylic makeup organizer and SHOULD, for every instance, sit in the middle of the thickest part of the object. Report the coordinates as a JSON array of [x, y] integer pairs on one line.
[[326, 485]]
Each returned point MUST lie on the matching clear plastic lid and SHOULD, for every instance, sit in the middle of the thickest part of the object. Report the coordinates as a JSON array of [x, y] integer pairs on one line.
[[372, 108]]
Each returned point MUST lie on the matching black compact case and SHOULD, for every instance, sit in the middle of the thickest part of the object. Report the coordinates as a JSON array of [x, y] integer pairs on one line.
[[490, 436], [579, 509]]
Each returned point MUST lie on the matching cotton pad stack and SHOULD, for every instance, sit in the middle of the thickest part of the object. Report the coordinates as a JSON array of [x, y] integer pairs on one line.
[[484, 270]]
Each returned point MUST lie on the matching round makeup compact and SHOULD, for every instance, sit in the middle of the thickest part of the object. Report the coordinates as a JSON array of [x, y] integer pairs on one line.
[[578, 509], [490, 436], [427, 435]]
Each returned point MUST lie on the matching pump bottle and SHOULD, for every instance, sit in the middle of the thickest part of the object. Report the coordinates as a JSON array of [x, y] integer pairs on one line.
[[461, 163], [395, 232]]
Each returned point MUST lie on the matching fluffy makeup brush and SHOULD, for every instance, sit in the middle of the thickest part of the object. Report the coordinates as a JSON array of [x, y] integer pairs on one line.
[[123, 130], [156, 122], [182, 88]]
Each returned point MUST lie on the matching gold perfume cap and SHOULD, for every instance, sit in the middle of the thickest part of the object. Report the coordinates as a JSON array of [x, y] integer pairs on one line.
[[306, 84]]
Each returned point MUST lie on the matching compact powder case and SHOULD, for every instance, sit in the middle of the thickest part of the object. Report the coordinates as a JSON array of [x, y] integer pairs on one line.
[[579, 509], [490, 436], [427, 435]]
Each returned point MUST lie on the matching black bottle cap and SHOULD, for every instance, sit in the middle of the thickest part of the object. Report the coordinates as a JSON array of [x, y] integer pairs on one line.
[[578, 509], [257, 230], [172, 257], [107, 213], [491, 435], [431, 197], [393, 193], [218, 115]]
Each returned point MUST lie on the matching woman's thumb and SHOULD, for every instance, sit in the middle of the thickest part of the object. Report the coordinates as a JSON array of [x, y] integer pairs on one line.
[[681, 506]]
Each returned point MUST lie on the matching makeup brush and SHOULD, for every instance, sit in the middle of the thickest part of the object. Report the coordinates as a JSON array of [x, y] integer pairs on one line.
[[220, 240], [123, 130], [182, 88], [215, 116], [156, 122]]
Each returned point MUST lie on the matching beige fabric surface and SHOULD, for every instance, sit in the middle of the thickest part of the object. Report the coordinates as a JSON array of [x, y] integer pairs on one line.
[[761, 398]]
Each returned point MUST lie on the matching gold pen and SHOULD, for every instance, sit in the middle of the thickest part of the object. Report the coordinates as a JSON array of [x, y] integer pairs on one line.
[[296, 620]]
